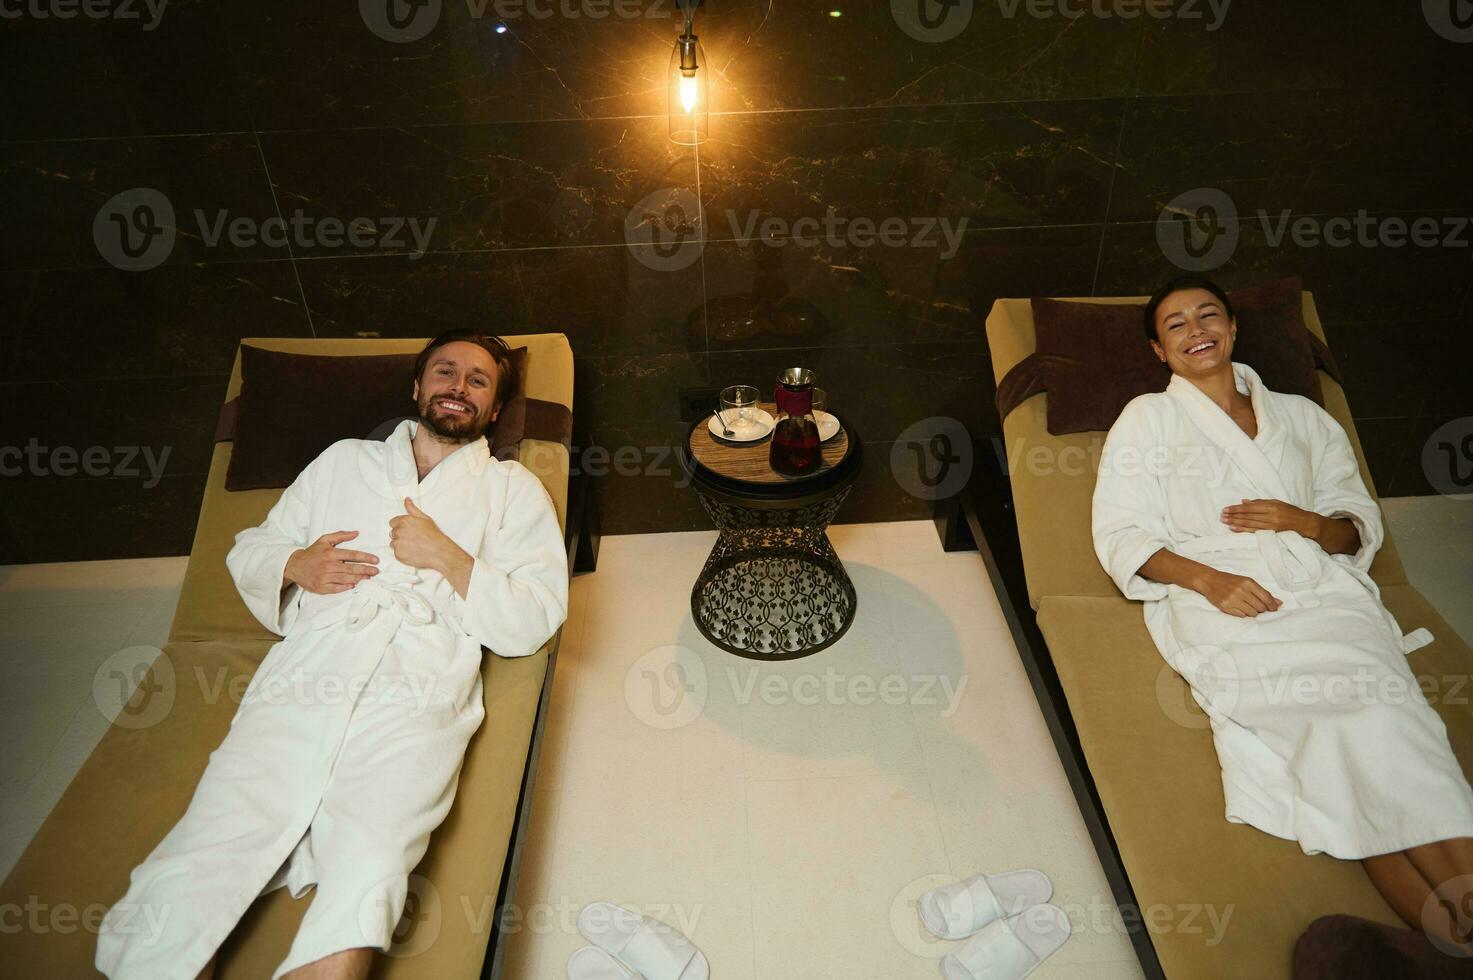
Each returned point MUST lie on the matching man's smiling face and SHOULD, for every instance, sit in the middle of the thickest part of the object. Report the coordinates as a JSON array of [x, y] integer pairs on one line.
[[457, 391]]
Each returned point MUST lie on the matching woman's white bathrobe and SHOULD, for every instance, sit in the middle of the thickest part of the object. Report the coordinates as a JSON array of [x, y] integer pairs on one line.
[[1322, 732], [346, 748]]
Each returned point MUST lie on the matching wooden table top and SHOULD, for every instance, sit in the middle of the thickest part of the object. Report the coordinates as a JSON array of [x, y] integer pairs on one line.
[[748, 461]]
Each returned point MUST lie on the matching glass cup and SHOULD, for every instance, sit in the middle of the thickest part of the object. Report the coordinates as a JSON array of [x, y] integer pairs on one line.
[[820, 400], [739, 407]]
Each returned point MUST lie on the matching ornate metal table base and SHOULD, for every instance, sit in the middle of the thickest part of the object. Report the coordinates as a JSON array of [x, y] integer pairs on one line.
[[773, 588]]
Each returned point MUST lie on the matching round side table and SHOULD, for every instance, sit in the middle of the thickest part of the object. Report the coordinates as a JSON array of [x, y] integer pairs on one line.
[[773, 587]]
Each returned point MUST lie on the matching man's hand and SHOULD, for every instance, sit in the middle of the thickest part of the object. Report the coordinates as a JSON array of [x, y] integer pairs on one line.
[[1271, 515], [1236, 595], [326, 569], [418, 542]]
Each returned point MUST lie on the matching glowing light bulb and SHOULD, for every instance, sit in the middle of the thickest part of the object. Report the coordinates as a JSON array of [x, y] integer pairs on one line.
[[689, 92]]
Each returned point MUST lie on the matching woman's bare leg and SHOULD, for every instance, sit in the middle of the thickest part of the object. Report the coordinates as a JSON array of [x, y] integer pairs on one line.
[[1447, 867], [209, 970], [1401, 884]]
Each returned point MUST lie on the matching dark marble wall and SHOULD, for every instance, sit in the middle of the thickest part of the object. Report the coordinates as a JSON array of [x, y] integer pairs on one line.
[[1058, 139]]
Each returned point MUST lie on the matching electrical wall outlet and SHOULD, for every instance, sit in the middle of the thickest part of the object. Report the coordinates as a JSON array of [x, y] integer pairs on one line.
[[697, 403]]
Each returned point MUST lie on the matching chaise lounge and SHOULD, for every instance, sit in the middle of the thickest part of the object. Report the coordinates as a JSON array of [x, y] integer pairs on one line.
[[140, 778], [1136, 746]]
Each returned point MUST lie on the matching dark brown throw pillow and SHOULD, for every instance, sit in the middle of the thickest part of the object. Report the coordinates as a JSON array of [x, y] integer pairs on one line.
[[1094, 358], [293, 406]]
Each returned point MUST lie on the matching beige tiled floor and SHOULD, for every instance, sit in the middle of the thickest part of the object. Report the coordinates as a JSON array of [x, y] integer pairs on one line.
[[784, 816], [789, 814]]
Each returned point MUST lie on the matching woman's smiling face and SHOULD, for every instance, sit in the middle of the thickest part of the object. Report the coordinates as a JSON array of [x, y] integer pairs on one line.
[[1194, 335]]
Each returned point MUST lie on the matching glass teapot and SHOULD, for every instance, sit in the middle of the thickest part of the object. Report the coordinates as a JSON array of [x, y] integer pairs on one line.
[[794, 450]]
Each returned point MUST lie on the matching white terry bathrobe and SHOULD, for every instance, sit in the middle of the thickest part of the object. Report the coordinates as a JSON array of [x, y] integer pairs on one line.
[[346, 749], [1321, 730]]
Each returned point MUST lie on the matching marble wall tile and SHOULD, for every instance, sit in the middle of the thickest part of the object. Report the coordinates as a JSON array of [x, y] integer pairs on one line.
[[84, 520], [56, 196], [313, 66], [1267, 47], [68, 324], [517, 185], [142, 69], [1325, 151], [798, 56], [1008, 164], [1353, 283], [161, 416], [605, 299]]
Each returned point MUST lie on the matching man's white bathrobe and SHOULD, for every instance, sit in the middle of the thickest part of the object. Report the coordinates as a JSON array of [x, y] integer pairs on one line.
[[1322, 732], [346, 749]]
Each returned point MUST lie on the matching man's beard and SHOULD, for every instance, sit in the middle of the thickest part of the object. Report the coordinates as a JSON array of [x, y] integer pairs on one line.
[[447, 425]]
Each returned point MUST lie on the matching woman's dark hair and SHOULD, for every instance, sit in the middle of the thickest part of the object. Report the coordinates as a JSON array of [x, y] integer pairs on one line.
[[507, 379], [1176, 285]]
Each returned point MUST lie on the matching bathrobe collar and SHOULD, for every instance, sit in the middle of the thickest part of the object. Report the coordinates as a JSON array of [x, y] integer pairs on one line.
[[402, 473], [1258, 457]]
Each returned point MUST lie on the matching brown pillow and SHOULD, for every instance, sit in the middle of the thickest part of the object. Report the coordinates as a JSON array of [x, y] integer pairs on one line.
[[1094, 358], [293, 406]]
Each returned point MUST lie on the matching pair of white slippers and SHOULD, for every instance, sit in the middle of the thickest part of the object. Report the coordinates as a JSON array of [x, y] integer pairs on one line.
[[627, 944], [1012, 927]]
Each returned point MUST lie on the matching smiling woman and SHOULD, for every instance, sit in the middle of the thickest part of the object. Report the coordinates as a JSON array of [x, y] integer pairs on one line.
[[1255, 578]]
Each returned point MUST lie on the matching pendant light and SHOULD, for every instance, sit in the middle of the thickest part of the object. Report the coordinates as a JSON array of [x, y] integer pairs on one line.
[[689, 82]]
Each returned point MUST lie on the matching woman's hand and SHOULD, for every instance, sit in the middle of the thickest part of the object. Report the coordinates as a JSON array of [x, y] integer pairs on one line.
[[1236, 595], [1271, 515]]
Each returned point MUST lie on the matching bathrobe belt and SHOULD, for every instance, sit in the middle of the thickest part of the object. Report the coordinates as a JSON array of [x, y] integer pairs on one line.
[[373, 595], [1275, 547]]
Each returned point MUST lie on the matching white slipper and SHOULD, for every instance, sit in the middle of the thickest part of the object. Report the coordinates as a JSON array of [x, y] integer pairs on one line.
[[957, 910], [652, 949], [1009, 949], [592, 963]]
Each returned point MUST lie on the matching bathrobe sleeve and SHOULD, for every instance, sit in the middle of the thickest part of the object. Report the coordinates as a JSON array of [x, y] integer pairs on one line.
[[1339, 490], [258, 560], [518, 592], [1128, 519]]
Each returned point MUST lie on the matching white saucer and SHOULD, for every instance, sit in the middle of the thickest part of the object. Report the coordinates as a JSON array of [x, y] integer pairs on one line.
[[828, 425], [758, 428]]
